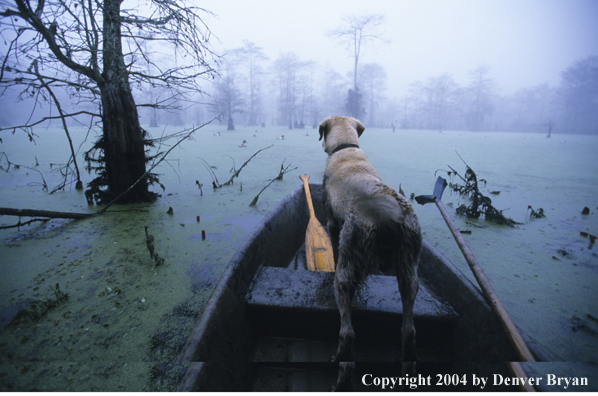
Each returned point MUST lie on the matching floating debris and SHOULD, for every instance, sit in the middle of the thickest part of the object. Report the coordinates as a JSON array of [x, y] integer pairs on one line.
[[592, 238], [149, 240], [537, 215], [199, 185]]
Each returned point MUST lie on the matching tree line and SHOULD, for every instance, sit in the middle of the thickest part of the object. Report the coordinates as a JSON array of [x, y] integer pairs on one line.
[[298, 93]]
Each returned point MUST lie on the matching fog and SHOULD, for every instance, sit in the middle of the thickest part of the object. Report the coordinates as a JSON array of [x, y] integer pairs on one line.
[[425, 64], [524, 42]]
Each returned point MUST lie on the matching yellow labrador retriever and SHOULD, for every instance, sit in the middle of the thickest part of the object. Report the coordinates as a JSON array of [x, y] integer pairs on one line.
[[371, 227]]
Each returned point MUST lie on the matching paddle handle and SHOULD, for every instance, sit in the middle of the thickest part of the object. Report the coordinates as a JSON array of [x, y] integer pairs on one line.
[[310, 205], [489, 293]]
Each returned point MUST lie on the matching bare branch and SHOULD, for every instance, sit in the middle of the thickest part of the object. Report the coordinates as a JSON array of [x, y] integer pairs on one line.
[[283, 170], [49, 34], [79, 185], [49, 118], [358, 31], [236, 174]]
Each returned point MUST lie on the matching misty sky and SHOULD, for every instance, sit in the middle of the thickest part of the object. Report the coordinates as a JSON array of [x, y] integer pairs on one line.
[[525, 42]]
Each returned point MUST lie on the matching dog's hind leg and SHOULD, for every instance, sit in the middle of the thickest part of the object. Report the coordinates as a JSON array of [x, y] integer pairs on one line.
[[344, 290], [345, 374], [408, 287], [345, 279], [333, 232]]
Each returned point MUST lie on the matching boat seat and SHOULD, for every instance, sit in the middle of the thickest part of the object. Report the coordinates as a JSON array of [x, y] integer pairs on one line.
[[300, 303]]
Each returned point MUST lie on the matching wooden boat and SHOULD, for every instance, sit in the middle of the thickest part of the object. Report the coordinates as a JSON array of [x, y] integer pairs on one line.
[[270, 325]]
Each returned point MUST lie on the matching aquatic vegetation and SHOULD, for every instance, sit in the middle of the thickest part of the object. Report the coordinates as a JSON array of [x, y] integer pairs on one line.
[[480, 204]]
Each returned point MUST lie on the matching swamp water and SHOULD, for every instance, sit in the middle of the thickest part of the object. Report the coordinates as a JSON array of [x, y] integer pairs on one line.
[[125, 320]]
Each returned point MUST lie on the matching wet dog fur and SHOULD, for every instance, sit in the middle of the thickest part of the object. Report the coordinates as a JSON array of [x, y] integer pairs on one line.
[[371, 227]]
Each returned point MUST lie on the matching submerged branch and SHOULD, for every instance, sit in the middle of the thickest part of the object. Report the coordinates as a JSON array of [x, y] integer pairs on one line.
[[236, 174], [20, 224], [215, 183], [283, 170], [149, 241]]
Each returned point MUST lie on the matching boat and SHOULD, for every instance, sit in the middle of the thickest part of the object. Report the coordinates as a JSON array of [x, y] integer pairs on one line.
[[271, 325]]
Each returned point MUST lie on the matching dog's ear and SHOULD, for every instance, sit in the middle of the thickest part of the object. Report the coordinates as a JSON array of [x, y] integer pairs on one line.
[[359, 127], [324, 128]]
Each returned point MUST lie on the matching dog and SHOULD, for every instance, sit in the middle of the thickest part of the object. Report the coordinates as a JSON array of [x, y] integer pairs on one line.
[[371, 227]]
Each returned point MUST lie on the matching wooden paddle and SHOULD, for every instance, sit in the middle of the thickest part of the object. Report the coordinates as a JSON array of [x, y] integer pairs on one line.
[[318, 249], [490, 295]]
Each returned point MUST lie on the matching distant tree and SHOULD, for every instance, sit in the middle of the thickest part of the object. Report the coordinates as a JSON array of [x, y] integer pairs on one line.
[[307, 107], [373, 81], [250, 57], [416, 99], [404, 108], [440, 95], [390, 113], [481, 91], [226, 99], [579, 93], [94, 50], [531, 109], [332, 93], [356, 32], [286, 74]]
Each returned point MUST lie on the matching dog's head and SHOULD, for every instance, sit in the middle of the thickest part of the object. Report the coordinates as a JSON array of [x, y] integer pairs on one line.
[[337, 131]]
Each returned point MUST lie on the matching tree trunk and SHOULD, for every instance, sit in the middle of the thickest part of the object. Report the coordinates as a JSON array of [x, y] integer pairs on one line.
[[123, 137]]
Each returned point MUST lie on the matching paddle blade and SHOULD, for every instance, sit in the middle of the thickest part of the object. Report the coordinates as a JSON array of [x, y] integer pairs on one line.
[[318, 249]]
